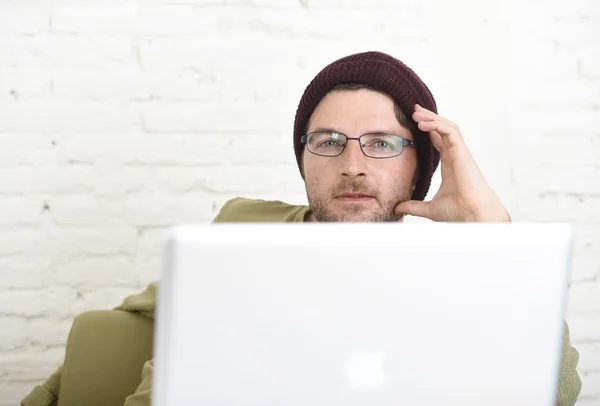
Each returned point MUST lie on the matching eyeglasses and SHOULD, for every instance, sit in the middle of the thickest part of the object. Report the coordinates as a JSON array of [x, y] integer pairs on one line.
[[373, 145]]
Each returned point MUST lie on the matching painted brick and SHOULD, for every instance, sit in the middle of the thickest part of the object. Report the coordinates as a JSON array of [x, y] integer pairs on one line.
[[67, 52], [16, 240], [22, 271], [19, 333], [228, 4], [571, 149], [113, 182], [18, 210], [587, 239], [568, 34], [131, 18], [558, 93], [108, 298], [92, 241], [186, 117], [571, 207], [26, 150], [583, 298], [124, 85], [82, 210], [570, 179], [92, 272], [590, 62], [150, 212], [27, 179], [232, 179], [120, 118], [590, 385], [146, 272], [207, 54], [15, 390], [16, 20], [50, 302], [134, 156], [138, 210], [159, 149], [554, 120], [17, 84], [585, 267], [31, 364], [583, 327], [68, 117], [359, 5], [589, 357], [585, 10]]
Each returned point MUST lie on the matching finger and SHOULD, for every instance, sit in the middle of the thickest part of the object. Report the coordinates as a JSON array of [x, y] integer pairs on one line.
[[424, 114], [443, 127], [420, 116], [414, 208], [447, 131], [436, 140], [424, 111], [442, 124], [439, 128]]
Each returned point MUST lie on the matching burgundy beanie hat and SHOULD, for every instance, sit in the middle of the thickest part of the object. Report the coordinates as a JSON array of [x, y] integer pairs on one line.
[[386, 74]]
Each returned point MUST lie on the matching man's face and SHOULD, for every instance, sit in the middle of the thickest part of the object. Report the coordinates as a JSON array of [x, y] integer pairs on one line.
[[352, 186]]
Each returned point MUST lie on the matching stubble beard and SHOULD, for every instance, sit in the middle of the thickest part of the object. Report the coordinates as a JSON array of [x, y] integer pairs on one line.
[[321, 202]]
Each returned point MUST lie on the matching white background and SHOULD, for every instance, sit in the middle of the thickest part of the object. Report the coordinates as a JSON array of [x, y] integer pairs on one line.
[[120, 118]]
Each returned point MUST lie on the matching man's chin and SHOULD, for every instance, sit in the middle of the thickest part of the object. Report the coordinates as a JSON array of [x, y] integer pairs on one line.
[[366, 219], [356, 217], [357, 220]]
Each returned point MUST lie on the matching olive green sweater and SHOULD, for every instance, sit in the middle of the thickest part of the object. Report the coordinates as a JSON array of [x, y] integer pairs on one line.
[[245, 210]]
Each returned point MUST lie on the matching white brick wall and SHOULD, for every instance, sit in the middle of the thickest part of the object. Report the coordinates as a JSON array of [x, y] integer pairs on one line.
[[121, 117]]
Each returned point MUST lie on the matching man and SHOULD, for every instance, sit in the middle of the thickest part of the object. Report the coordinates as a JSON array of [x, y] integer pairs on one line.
[[367, 139]]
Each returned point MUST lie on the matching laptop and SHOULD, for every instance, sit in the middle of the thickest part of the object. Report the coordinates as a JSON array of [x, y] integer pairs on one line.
[[361, 314]]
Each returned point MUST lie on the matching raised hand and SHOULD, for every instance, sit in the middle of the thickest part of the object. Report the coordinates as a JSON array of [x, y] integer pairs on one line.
[[464, 194]]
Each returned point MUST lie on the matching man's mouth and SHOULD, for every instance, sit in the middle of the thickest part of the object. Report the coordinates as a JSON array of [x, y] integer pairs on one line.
[[354, 197]]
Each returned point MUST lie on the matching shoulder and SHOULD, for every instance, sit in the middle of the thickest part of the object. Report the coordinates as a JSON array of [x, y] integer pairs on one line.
[[569, 385], [256, 210], [143, 302]]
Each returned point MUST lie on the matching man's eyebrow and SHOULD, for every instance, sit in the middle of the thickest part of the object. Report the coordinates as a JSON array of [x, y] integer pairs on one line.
[[332, 130], [325, 129]]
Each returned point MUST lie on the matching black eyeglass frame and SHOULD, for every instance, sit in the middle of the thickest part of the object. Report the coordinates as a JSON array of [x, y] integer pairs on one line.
[[405, 143]]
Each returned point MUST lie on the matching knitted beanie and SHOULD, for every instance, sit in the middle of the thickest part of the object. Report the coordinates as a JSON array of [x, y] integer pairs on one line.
[[384, 73]]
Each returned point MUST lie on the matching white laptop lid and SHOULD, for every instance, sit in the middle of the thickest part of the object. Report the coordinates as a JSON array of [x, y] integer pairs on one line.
[[361, 314]]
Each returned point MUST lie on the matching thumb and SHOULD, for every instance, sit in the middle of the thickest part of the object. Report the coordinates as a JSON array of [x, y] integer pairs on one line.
[[413, 208]]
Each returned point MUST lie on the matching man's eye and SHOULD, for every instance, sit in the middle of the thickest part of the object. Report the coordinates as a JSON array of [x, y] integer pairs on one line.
[[329, 143], [382, 145]]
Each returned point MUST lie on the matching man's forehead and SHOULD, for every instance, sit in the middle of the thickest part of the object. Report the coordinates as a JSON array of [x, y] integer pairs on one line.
[[337, 132]]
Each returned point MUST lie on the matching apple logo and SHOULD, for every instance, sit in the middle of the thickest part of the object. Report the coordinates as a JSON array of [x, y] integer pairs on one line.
[[365, 371]]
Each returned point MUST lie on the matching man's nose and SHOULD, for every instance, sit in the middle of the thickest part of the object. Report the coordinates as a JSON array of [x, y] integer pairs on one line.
[[354, 162]]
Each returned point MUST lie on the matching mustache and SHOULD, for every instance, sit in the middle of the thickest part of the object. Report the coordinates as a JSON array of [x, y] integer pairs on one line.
[[355, 186]]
